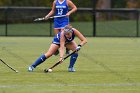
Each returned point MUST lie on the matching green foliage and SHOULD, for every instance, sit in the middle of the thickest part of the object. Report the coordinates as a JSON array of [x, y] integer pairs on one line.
[[47, 3], [118, 3], [83, 3], [4, 2]]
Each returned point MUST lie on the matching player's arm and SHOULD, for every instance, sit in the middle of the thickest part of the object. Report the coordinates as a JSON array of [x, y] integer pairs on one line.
[[80, 36], [52, 11], [72, 6], [62, 44]]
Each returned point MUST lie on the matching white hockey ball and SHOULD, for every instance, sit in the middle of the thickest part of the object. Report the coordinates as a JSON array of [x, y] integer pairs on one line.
[[49, 70]]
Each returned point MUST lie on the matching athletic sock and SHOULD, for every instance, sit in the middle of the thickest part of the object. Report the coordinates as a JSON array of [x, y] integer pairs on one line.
[[73, 59], [40, 60]]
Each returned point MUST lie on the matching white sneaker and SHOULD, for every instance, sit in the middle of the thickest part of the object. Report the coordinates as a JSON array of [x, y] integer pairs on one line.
[[30, 68], [71, 69]]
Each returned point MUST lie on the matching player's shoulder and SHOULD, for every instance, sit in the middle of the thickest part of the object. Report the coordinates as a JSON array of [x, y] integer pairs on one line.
[[76, 32], [54, 1], [70, 3], [74, 29], [68, 0]]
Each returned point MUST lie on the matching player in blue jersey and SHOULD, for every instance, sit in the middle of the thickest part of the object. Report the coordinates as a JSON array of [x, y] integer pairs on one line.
[[59, 8], [63, 39]]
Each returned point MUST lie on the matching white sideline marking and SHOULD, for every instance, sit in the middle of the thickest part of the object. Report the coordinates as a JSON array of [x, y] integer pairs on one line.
[[88, 85]]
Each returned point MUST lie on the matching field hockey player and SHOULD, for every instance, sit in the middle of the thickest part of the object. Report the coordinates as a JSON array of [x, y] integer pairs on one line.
[[60, 8], [63, 39]]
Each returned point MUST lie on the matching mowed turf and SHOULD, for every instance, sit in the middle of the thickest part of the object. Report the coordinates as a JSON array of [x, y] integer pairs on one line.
[[105, 65]]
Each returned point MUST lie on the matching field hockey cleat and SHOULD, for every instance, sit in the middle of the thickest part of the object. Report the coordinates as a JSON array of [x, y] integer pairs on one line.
[[71, 69], [31, 68]]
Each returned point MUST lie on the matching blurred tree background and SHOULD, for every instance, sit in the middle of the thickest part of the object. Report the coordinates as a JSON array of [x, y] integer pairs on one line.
[[79, 3], [79, 16]]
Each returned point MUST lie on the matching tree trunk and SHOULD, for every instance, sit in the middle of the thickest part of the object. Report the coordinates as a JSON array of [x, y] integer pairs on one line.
[[103, 4]]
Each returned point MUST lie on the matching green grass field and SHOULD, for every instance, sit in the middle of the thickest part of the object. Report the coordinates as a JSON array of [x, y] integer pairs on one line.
[[105, 65]]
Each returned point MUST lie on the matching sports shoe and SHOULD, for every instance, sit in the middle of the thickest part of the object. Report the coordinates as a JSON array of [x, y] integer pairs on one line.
[[71, 69], [30, 68]]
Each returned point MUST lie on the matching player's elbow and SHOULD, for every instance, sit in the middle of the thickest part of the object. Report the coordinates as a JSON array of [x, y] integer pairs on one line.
[[75, 8], [84, 41]]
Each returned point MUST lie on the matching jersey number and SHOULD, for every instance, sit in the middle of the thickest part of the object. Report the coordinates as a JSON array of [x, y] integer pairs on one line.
[[60, 11]]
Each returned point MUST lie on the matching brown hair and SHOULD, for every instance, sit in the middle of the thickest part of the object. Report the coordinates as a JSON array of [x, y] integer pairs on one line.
[[68, 28]]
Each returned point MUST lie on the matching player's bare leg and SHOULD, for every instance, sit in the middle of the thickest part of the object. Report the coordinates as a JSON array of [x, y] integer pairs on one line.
[[72, 46], [43, 57]]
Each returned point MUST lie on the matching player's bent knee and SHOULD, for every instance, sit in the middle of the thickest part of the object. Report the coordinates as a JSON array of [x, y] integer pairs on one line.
[[48, 55]]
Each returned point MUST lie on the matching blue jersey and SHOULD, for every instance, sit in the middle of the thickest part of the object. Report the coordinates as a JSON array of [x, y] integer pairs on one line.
[[61, 8], [56, 39]]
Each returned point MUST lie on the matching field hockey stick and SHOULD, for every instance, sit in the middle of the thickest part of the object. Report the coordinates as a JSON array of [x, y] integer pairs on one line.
[[41, 19], [8, 66], [59, 62]]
